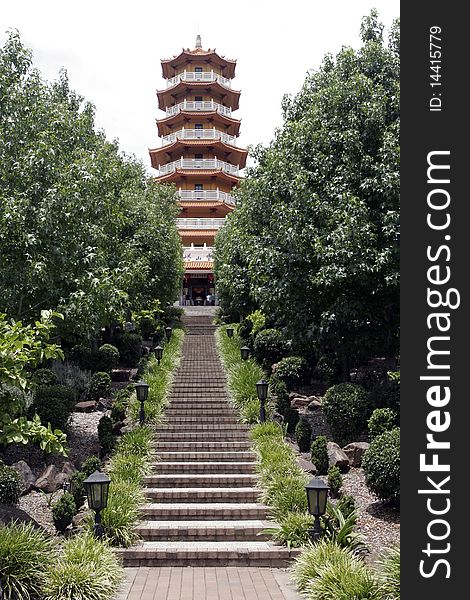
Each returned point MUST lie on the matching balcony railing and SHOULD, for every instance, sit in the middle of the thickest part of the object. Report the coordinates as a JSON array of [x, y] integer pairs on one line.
[[190, 76], [199, 105], [200, 254], [199, 163], [206, 195], [199, 223], [199, 134]]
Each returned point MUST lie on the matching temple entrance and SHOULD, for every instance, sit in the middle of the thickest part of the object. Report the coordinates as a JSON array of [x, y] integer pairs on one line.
[[196, 289]]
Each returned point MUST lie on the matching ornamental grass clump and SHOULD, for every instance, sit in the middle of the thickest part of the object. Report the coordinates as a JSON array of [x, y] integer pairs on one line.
[[292, 531], [24, 551], [389, 573], [122, 513], [87, 569]]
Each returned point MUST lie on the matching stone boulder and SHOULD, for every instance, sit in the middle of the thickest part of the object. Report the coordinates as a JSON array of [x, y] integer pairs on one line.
[[64, 476], [336, 457], [314, 405], [86, 406], [47, 481], [10, 514], [28, 478], [355, 452], [306, 465], [300, 402]]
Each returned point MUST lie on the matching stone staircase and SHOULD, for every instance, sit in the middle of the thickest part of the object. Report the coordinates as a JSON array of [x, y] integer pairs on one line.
[[203, 504]]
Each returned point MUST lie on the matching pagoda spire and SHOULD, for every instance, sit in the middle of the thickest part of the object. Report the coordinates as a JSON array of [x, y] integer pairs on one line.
[[198, 41]]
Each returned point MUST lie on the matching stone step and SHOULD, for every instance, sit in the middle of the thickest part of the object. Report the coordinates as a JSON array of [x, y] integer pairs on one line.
[[207, 554], [203, 511], [201, 480], [200, 445], [203, 467], [198, 419], [210, 531], [207, 456], [171, 413], [240, 498], [201, 426], [199, 405], [207, 435]]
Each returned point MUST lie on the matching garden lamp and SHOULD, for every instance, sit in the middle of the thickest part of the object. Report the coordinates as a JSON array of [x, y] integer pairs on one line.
[[158, 353], [317, 496], [168, 331], [142, 391], [229, 331], [262, 391], [97, 488], [245, 352]]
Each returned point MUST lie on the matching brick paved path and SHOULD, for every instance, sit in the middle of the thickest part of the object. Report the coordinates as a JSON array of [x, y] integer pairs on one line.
[[203, 518]]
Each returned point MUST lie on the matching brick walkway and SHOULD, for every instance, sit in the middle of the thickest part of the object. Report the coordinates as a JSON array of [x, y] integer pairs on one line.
[[207, 583]]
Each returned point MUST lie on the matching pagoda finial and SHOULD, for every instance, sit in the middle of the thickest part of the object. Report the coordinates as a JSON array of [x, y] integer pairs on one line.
[[198, 41]]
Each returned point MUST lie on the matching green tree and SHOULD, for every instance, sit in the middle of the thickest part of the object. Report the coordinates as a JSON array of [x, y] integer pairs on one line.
[[314, 240], [82, 230]]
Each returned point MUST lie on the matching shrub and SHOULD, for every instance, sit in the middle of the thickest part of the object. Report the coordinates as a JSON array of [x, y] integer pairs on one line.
[[269, 347], [118, 411], [44, 377], [244, 329], [391, 396], [146, 327], [54, 404], [382, 419], [258, 321], [24, 550], [352, 579], [303, 434], [100, 386], [86, 570], [77, 488], [346, 408], [63, 511], [292, 370], [90, 465], [341, 529], [13, 399], [10, 485], [293, 530], [319, 451], [335, 481], [347, 505], [172, 314], [309, 564], [130, 348], [327, 369], [122, 513], [72, 376], [390, 573], [278, 389], [84, 357], [381, 464], [291, 418], [108, 357], [105, 434]]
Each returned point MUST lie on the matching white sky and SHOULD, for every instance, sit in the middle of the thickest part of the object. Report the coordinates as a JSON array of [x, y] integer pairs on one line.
[[112, 51]]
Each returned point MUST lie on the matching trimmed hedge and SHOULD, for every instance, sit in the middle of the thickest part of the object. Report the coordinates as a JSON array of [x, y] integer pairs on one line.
[[346, 408], [381, 464]]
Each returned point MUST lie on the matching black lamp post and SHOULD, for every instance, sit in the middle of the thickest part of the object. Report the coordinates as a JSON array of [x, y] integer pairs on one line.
[[158, 353], [168, 331], [229, 331], [317, 496], [97, 488], [262, 391], [245, 352], [142, 391]]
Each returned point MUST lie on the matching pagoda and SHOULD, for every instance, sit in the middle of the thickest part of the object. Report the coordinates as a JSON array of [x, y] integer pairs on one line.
[[199, 154]]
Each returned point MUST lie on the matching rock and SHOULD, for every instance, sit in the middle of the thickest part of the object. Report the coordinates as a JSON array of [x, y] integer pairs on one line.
[[355, 452], [336, 457], [277, 417], [293, 395], [9, 514], [68, 469], [299, 402], [80, 519], [104, 404], [314, 405], [315, 399], [47, 481], [28, 478], [64, 476], [86, 406], [120, 375], [306, 465]]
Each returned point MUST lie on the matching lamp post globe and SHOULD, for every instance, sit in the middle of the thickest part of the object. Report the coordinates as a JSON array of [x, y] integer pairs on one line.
[[317, 497], [262, 391], [97, 489], [245, 352], [168, 332], [229, 331], [158, 353], [142, 391]]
